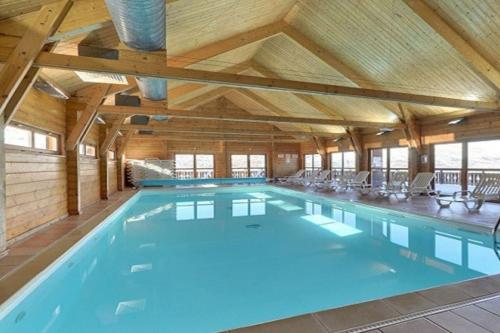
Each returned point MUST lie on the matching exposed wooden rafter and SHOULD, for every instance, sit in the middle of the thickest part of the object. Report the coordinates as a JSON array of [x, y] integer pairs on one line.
[[412, 130], [356, 140], [244, 81], [87, 116], [23, 55], [171, 129], [472, 57], [206, 113], [124, 142], [111, 135]]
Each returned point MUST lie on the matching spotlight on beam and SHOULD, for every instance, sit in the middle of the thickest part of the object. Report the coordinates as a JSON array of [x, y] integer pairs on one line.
[[456, 121], [385, 131]]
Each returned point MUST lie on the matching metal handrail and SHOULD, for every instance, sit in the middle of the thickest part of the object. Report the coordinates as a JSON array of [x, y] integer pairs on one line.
[[495, 229]]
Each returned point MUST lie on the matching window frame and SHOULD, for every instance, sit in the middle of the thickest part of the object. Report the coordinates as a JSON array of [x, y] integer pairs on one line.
[[342, 167], [387, 165], [314, 167], [34, 130], [195, 166], [84, 153], [248, 166]]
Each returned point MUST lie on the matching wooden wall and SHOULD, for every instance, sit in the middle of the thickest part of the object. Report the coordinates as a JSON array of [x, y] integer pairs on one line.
[[35, 182], [89, 171], [154, 148]]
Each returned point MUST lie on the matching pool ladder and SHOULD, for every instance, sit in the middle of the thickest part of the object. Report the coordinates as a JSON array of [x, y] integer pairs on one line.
[[496, 244]]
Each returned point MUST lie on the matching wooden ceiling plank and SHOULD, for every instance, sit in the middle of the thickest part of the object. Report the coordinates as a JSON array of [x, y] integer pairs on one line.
[[22, 57], [97, 94], [111, 135], [472, 57], [325, 56], [204, 113], [202, 99], [313, 102], [244, 81], [225, 45]]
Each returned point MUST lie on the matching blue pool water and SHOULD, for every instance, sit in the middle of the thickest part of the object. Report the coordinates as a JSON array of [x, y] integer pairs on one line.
[[199, 181], [214, 259]]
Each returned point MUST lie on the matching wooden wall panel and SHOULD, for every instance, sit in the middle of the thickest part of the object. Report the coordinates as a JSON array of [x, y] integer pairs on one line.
[[36, 190], [112, 177], [36, 183], [89, 181]]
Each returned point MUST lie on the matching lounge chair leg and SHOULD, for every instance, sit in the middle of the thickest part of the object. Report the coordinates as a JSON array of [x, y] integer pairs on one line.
[[443, 203]]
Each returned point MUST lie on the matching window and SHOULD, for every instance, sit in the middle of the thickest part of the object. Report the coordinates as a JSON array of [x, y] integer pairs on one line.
[[454, 172], [194, 166], [37, 140], [385, 162], [111, 155], [343, 164], [85, 149], [448, 167], [312, 162], [243, 166]]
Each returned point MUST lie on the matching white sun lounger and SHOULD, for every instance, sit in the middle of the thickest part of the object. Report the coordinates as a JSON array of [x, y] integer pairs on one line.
[[321, 180], [397, 185], [488, 188], [360, 182], [420, 185], [310, 179], [293, 179]]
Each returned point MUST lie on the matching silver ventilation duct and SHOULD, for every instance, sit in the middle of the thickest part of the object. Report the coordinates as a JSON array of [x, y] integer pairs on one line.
[[141, 25]]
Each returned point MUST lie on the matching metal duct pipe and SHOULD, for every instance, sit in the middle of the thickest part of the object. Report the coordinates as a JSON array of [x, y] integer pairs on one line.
[[141, 25]]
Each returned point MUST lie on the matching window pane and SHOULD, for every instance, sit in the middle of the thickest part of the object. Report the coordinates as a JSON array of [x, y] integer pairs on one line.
[[40, 141], [184, 161], [317, 161], [90, 150], [484, 155], [53, 143], [239, 161], [205, 161], [350, 159], [448, 156], [379, 158], [257, 161], [81, 149], [399, 158], [336, 160], [111, 155], [17, 136], [308, 160]]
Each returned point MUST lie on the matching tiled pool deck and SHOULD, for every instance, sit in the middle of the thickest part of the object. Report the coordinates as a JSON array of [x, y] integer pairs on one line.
[[471, 306]]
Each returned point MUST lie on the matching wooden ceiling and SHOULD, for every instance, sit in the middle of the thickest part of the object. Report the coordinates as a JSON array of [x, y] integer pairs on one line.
[[374, 44]]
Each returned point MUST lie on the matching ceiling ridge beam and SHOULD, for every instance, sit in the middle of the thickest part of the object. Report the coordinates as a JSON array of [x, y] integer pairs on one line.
[[52, 60], [474, 60]]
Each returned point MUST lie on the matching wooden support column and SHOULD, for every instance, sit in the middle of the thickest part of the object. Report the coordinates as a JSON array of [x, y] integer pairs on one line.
[[72, 167], [271, 161], [3, 226], [103, 165], [20, 60], [321, 149], [357, 142]]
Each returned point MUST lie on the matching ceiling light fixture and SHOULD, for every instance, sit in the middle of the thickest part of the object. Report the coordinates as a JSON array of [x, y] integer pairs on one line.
[[456, 121]]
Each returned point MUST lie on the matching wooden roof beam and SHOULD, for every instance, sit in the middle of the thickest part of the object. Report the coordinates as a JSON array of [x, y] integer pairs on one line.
[[111, 135], [171, 129], [202, 99], [227, 138], [87, 116], [209, 114], [51, 60], [488, 73], [23, 55], [412, 130]]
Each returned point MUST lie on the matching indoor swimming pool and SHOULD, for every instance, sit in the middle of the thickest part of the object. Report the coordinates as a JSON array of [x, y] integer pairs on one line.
[[213, 259]]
